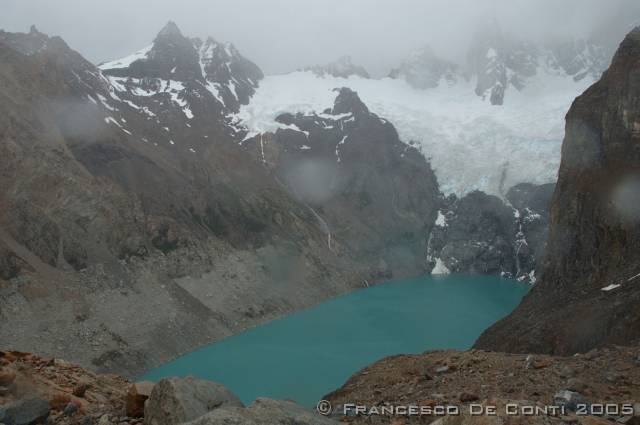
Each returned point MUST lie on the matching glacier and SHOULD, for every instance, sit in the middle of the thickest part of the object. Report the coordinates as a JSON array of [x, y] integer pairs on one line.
[[471, 144]]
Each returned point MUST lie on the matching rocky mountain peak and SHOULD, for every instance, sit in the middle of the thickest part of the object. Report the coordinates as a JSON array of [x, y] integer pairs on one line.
[[347, 102], [189, 68], [32, 42], [169, 30]]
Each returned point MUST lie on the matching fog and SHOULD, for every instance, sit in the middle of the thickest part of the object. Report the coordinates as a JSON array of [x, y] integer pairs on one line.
[[283, 35]]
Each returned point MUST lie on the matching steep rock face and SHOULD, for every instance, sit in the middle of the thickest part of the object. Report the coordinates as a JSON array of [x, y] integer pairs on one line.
[[131, 223], [371, 190], [481, 233], [589, 291]]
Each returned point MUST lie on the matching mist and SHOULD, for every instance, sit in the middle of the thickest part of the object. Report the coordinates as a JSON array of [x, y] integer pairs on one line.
[[284, 35]]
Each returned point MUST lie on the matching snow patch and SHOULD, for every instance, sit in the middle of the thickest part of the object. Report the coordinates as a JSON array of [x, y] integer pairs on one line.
[[441, 220], [440, 268], [128, 60]]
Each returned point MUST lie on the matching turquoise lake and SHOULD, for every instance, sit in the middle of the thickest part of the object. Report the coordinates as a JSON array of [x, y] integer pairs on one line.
[[311, 353]]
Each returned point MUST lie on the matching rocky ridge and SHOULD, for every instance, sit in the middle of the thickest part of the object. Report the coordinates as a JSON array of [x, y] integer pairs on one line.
[[35, 390]]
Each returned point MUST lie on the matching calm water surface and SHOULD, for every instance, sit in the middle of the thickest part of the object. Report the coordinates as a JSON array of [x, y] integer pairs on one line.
[[308, 354]]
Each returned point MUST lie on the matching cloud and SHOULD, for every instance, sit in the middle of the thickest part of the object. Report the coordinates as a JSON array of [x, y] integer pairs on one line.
[[282, 35]]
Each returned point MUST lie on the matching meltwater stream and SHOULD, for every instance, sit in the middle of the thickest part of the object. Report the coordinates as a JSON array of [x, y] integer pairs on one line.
[[308, 354]]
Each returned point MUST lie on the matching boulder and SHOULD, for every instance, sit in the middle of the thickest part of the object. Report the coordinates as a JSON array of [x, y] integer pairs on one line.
[[81, 388], [24, 412], [176, 400], [569, 399], [136, 396]]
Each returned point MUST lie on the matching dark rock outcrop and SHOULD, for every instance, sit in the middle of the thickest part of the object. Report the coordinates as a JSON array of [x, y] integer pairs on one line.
[[589, 291], [480, 233], [370, 191]]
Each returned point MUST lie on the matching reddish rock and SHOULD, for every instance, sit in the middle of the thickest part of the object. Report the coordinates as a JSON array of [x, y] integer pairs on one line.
[[137, 394], [468, 397], [59, 401], [7, 376], [80, 389]]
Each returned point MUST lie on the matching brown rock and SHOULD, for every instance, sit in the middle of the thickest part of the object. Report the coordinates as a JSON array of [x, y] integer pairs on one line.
[[137, 394], [468, 397], [80, 389], [59, 401], [541, 364], [7, 377]]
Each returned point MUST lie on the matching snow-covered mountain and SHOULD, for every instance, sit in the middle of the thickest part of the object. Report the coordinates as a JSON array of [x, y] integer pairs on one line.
[[188, 70], [499, 64]]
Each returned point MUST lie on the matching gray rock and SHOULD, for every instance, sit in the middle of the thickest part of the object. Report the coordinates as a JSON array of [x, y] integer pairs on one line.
[[8, 389], [264, 411], [24, 412], [177, 400], [569, 399], [529, 362], [70, 409], [442, 369]]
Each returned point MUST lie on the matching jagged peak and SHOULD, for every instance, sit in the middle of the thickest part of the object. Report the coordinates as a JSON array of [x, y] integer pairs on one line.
[[348, 101], [170, 30], [34, 30]]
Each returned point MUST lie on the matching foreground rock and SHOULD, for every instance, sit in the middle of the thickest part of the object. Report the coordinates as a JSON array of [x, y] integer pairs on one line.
[[59, 393], [24, 412], [455, 378], [590, 290], [264, 411], [45, 387], [177, 400]]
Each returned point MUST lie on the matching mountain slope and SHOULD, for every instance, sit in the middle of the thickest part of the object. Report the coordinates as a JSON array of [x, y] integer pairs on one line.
[[589, 291], [131, 232]]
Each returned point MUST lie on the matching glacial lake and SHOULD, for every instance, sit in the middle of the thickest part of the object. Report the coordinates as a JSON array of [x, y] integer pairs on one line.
[[311, 353]]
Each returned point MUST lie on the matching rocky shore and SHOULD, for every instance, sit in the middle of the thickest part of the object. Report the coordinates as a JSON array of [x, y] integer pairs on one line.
[[37, 390]]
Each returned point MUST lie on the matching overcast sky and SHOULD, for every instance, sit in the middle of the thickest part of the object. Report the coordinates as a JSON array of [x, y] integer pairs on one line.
[[282, 35]]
